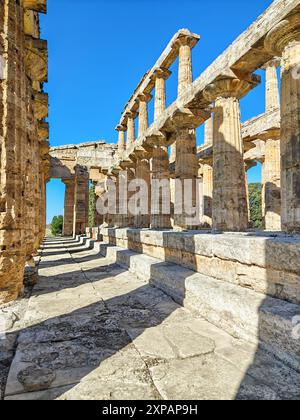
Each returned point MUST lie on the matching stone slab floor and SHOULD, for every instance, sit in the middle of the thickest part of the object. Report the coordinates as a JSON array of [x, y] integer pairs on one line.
[[92, 330]]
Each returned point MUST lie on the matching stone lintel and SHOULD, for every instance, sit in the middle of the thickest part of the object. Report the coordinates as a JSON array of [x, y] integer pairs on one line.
[[205, 155], [252, 129]]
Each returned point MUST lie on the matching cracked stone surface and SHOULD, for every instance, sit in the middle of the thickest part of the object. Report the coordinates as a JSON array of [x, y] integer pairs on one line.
[[93, 330]]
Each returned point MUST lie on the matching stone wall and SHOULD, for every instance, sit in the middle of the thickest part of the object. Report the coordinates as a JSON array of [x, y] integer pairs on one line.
[[262, 263], [24, 141]]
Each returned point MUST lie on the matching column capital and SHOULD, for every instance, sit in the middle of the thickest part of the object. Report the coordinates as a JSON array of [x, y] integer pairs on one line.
[[186, 38], [282, 34], [229, 88], [185, 118], [131, 114], [144, 97], [275, 62], [161, 73], [121, 127], [68, 181]]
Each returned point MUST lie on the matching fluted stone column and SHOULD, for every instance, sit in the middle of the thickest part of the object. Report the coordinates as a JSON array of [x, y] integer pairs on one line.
[[271, 203], [143, 173], [284, 41], [160, 76], [186, 168], [98, 218], [209, 132], [81, 201], [272, 87], [184, 46], [160, 158], [124, 217], [272, 185], [207, 176], [230, 210], [130, 129], [121, 139], [69, 207], [143, 100]]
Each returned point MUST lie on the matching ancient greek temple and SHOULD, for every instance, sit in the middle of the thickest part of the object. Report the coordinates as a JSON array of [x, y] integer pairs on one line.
[[216, 278]]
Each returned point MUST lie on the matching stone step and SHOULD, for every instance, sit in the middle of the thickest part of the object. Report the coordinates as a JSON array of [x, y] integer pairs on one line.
[[243, 313]]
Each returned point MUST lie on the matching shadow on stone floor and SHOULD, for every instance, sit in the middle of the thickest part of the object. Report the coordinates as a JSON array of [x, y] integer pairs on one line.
[[89, 350]]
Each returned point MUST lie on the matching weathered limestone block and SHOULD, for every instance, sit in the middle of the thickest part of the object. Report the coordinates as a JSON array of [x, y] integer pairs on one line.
[[261, 263], [40, 105], [37, 5], [31, 24], [36, 59]]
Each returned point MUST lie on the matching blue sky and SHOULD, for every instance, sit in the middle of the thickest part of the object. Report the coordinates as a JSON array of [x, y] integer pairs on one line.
[[99, 50]]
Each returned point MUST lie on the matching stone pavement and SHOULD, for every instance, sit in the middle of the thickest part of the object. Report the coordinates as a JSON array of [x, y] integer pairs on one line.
[[93, 330]]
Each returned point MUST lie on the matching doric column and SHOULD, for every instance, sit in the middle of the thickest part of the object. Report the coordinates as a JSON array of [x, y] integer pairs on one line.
[[230, 210], [272, 87], [143, 100], [69, 207], [207, 177], [271, 182], [130, 128], [284, 41], [272, 185], [98, 218], [184, 46], [160, 76], [160, 158], [81, 201], [186, 169], [208, 131], [121, 139], [124, 217], [143, 173], [185, 73]]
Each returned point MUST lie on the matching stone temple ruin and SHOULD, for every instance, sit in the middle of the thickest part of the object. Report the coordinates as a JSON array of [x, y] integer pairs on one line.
[[244, 282]]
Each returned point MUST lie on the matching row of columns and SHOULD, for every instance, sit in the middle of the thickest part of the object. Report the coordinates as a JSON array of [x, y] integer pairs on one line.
[[225, 189]]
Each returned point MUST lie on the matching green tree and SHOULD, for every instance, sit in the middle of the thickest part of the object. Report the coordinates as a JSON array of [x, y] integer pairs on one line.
[[57, 225], [92, 206], [255, 199]]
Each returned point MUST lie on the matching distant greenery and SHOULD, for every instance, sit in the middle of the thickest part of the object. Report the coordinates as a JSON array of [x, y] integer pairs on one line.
[[92, 206], [255, 198], [57, 225]]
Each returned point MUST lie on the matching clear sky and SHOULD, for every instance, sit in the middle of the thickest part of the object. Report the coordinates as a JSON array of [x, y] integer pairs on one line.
[[99, 50]]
